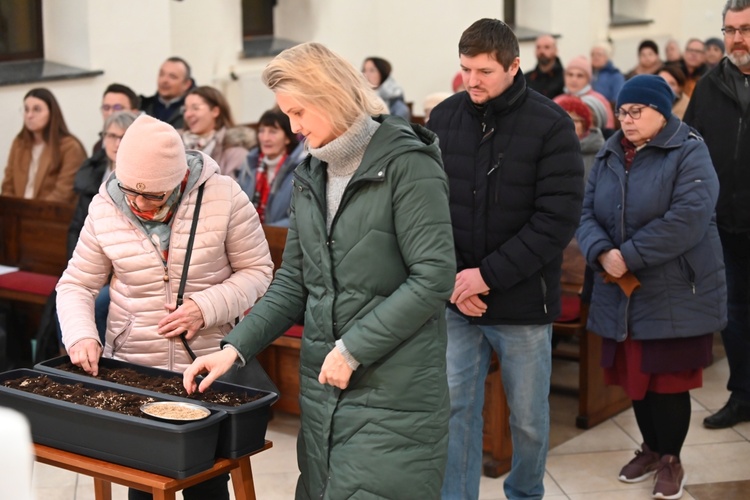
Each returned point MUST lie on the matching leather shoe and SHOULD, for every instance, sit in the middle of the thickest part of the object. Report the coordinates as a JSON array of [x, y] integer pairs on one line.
[[732, 414]]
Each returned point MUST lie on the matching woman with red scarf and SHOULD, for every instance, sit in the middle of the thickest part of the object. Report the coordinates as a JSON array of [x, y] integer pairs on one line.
[[266, 176]]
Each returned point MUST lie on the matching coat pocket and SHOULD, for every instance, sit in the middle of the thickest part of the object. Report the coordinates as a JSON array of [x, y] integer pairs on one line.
[[119, 337]]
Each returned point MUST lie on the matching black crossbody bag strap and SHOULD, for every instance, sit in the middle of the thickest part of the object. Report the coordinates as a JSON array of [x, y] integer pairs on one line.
[[188, 253]]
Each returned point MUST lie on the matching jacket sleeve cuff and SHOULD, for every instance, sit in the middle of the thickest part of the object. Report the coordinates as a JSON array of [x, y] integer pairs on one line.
[[240, 358], [353, 363]]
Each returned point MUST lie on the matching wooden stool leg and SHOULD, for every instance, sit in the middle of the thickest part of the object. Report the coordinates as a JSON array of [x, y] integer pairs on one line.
[[163, 495], [102, 489], [242, 480]]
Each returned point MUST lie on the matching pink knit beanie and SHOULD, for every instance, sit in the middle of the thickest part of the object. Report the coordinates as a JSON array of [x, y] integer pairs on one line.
[[151, 157], [582, 63]]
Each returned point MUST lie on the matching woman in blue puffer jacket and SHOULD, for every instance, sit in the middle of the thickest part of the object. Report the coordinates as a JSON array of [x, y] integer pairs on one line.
[[649, 228]]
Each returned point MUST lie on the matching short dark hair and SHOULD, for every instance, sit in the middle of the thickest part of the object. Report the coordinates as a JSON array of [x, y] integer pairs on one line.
[[734, 6], [188, 72], [490, 36], [118, 88], [648, 44], [275, 118], [676, 72], [384, 67]]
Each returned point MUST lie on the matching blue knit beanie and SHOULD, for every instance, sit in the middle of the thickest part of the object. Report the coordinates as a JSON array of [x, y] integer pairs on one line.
[[650, 90]]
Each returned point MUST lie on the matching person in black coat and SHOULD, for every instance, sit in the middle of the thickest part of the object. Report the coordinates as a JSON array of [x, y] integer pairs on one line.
[[173, 84], [720, 110], [516, 184]]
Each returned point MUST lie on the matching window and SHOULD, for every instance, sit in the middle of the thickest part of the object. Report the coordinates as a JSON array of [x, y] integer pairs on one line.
[[257, 18], [21, 30], [628, 13]]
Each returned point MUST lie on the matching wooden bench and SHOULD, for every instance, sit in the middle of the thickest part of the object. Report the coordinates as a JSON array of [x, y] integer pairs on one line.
[[33, 238], [596, 401]]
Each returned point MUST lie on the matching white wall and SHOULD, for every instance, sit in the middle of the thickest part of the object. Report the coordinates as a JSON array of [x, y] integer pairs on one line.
[[128, 40]]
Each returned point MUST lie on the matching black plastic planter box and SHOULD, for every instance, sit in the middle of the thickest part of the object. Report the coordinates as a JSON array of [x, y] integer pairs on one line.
[[177, 450], [241, 433]]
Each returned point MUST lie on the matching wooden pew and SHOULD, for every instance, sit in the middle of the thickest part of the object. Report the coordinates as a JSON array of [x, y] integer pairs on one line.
[[34, 235], [33, 238]]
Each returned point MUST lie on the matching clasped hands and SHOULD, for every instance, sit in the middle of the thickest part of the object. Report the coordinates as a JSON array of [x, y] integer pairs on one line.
[[469, 286]]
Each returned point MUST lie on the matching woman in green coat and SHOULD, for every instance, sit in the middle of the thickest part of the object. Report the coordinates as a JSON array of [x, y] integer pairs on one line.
[[369, 262]]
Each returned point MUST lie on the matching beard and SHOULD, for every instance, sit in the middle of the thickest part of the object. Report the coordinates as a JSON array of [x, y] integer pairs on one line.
[[543, 61], [741, 61]]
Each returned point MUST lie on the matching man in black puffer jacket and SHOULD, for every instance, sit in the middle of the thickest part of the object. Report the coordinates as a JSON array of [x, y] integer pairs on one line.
[[516, 187]]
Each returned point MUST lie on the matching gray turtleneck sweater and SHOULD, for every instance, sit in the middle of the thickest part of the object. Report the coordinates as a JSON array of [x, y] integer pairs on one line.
[[343, 156]]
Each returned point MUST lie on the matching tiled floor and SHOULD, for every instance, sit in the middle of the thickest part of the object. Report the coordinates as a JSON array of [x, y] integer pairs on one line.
[[582, 465]]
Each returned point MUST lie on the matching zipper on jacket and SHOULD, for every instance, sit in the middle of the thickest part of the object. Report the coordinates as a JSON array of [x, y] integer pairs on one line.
[[544, 293], [166, 274], [739, 136]]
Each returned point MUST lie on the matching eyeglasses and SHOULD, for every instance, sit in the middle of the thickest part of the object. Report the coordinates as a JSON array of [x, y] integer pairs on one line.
[[695, 51], [730, 31], [145, 196], [113, 137], [634, 112], [114, 107]]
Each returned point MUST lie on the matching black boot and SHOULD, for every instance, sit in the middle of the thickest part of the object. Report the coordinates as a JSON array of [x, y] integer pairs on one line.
[[732, 414]]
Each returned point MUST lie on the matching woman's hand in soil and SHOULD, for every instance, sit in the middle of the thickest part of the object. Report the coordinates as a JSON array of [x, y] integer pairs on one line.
[[187, 318], [85, 353], [215, 365]]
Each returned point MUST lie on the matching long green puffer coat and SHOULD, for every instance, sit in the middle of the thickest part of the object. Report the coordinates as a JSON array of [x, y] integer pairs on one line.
[[379, 281]]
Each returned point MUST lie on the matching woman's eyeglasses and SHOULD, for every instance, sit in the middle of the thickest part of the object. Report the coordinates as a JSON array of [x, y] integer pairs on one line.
[[145, 196], [634, 112], [113, 137]]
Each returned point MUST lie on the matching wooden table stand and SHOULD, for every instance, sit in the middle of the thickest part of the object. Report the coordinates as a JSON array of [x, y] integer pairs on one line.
[[161, 487]]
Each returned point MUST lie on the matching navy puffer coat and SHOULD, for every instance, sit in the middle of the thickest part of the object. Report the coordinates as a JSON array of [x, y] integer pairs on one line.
[[661, 215]]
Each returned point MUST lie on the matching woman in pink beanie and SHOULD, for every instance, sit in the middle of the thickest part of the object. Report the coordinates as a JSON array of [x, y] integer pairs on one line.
[[578, 83], [138, 229]]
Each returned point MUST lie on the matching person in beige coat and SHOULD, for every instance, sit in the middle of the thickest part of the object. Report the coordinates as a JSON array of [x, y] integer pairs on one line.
[[137, 228], [44, 156]]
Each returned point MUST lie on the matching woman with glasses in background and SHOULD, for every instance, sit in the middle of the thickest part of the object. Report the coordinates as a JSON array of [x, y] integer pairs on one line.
[[44, 156], [209, 127], [648, 230], [137, 229]]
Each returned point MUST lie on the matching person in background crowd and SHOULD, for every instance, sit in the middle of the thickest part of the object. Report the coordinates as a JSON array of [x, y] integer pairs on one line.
[[173, 83], [210, 128], [672, 51], [578, 82], [369, 262], [377, 71], [44, 156], [266, 175], [598, 114], [649, 232], [116, 98], [433, 100], [590, 136], [137, 228], [94, 171], [547, 77], [693, 64], [511, 147], [718, 110], [458, 83], [714, 52], [675, 78], [648, 60], [606, 78]]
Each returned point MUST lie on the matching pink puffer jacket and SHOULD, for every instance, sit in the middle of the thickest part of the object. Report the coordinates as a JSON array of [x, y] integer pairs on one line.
[[230, 269]]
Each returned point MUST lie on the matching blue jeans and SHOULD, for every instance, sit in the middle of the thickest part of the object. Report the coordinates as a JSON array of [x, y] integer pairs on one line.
[[525, 358], [736, 335]]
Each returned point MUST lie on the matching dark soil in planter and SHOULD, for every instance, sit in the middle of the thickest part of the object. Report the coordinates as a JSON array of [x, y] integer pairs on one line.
[[125, 403], [164, 385]]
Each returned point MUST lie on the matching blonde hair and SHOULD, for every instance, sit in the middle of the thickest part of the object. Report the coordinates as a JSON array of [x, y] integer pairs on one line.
[[314, 75]]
